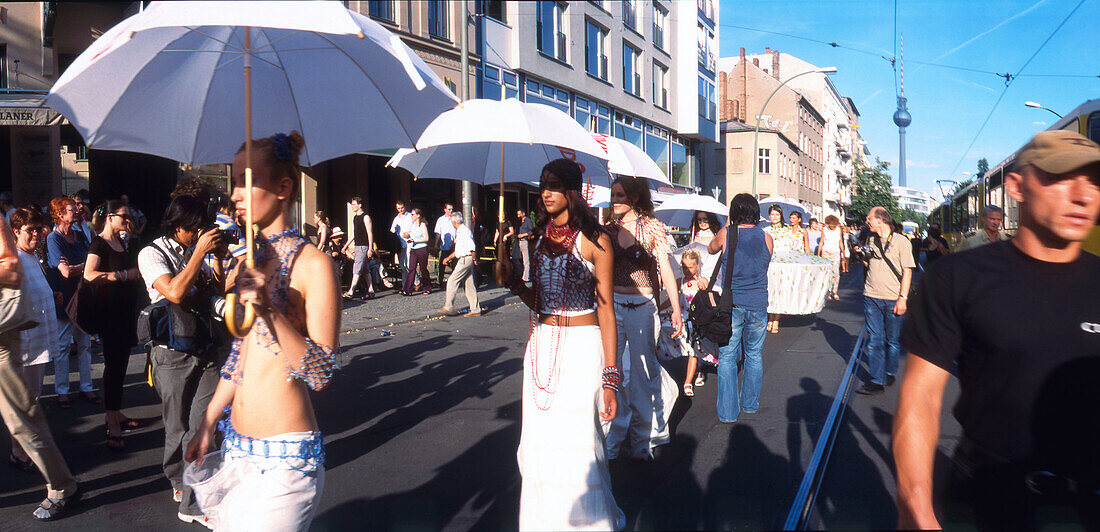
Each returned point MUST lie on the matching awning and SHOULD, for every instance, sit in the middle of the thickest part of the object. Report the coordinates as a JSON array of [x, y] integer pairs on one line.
[[23, 109]]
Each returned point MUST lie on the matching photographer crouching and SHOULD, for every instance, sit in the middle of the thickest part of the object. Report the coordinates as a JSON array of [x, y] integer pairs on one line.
[[187, 347], [888, 257]]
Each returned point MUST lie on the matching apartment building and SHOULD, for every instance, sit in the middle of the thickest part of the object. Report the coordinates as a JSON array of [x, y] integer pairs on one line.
[[790, 118], [640, 70], [837, 154], [913, 199]]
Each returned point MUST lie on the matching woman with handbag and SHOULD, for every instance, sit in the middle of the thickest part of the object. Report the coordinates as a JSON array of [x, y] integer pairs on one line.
[[749, 294], [67, 249], [113, 272], [642, 266]]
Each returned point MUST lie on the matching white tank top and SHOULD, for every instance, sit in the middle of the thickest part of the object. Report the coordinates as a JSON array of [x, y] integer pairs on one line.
[[830, 240]]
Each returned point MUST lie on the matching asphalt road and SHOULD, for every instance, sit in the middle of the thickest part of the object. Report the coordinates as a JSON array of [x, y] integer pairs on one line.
[[422, 426]]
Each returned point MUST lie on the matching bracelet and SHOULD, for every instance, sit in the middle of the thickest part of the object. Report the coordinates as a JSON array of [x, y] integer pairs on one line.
[[612, 379]]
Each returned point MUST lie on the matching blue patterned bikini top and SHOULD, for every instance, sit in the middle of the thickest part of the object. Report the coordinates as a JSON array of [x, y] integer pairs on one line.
[[319, 361]]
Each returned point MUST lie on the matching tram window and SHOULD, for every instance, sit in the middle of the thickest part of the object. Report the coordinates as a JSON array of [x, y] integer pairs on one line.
[[1094, 126]]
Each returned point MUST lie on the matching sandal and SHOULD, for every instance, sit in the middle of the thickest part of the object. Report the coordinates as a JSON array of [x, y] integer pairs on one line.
[[25, 466], [64, 402], [128, 424], [115, 443], [699, 379], [51, 509], [688, 391]]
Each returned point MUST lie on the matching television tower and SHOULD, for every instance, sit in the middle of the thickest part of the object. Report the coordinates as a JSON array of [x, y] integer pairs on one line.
[[902, 117]]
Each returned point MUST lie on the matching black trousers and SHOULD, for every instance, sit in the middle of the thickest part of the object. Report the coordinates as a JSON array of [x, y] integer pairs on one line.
[[116, 356]]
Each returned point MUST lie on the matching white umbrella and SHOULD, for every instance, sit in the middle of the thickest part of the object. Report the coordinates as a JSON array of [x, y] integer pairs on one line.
[[166, 82], [679, 210], [624, 158], [789, 205], [169, 81], [486, 141]]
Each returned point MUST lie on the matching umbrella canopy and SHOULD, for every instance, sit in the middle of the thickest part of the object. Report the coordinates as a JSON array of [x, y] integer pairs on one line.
[[679, 210], [489, 142], [624, 158], [789, 205], [169, 81]]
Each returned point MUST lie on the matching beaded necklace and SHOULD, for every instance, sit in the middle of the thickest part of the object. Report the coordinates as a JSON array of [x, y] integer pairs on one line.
[[548, 384]]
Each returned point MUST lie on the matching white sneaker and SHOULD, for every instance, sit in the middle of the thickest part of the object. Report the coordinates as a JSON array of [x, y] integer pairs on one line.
[[200, 519], [177, 495]]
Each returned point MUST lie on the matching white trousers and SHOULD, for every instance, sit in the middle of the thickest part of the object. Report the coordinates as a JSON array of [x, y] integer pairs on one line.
[[463, 272], [253, 493], [648, 392]]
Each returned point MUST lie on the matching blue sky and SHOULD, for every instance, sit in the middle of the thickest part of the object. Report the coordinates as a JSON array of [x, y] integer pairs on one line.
[[948, 105]]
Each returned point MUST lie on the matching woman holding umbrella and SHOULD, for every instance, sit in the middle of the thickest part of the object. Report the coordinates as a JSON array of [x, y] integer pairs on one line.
[[290, 350], [641, 267], [566, 484]]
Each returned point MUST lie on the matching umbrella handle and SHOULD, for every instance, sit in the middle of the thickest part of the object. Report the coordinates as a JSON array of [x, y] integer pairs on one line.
[[239, 331], [231, 318]]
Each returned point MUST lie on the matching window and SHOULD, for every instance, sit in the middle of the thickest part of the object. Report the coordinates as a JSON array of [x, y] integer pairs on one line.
[[707, 104], [494, 9], [595, 53], [660, 22], [546, 94], [660, 85], [632, 77], [706, 48], [4, 66], [1093, 125], [381, 9], [656, 146], [764, 161], [630, 18], [628, 128], [706, 7], [551, 29], [437, 18]]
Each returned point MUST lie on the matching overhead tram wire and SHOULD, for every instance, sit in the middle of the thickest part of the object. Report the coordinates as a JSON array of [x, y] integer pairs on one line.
[[1009, 78], [834, 44]]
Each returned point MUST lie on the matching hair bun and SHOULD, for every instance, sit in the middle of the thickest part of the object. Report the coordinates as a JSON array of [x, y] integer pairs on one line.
[[288, 148]]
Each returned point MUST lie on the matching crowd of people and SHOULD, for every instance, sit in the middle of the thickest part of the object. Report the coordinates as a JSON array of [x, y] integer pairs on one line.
[[243, 449]]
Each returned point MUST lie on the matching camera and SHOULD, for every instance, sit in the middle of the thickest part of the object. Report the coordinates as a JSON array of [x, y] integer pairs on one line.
[[863, 252]]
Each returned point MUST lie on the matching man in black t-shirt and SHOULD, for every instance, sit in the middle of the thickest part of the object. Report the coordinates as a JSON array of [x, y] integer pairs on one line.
[[1019, 323]]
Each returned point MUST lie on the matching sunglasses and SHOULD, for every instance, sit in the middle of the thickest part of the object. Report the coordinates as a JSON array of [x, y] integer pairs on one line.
[[126, 217], [33, 228]]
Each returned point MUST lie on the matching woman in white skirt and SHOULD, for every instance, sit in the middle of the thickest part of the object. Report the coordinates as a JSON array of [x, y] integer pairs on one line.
[[273, 455], [569, 372]]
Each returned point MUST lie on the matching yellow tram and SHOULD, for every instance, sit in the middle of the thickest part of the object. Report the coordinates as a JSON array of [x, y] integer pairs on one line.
[[959, 215]]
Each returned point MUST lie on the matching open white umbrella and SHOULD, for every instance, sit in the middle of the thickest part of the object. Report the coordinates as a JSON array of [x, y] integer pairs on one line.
[[176, 81], [679, 210], [789, 205], [624, 158]]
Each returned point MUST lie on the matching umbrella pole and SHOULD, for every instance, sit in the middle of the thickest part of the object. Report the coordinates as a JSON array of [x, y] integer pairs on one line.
[[498, 269], [231, 299]]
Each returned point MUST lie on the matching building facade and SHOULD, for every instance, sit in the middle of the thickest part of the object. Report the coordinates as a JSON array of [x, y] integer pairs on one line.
[[837, 154], [789, 119], [913, 199]]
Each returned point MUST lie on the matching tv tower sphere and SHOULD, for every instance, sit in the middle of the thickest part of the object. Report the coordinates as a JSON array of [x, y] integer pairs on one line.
[[901, 116]]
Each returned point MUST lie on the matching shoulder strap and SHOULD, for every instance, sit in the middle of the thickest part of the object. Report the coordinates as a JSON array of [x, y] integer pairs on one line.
[[726, 303], [878, 244], [167, 259]]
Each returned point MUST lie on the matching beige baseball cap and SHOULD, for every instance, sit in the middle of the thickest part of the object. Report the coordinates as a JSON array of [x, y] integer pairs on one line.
[[1059, 152]]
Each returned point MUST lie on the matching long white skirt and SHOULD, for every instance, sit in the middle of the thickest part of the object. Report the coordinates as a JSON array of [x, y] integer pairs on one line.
[[566, 485]]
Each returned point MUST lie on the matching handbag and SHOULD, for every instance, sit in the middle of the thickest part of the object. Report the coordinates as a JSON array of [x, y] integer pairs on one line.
[[179, 327], [711, 313], [15, 309], [81, 309]]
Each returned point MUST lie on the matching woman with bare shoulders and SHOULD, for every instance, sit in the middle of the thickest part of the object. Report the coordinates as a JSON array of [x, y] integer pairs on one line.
[[569, 377], [273, 459]]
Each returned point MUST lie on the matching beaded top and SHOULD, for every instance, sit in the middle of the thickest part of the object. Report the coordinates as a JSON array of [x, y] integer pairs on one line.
[[636, 264], [564, 282], [319, 361]]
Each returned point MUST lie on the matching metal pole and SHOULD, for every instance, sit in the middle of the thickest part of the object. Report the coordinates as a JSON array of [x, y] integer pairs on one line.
[[901, 163], [756, 133], [464, 90]]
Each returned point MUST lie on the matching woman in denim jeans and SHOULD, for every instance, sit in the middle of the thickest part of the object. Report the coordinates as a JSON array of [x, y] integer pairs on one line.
[[749, 291]]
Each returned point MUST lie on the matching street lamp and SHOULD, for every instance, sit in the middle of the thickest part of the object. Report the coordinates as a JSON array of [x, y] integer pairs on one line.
[[1037, 106], [756, 133]]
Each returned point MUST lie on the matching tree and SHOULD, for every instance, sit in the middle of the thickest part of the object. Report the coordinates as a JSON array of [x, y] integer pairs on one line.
[[909, 215], [983, 167], [962, 184], [873, 190]]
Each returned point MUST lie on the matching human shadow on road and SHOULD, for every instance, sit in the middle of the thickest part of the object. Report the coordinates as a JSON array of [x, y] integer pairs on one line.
[[663, 495], [476, 490], [436, 388], [750, 490], [853, 491]]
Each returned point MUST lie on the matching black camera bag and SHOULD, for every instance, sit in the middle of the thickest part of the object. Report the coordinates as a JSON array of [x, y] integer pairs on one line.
[[711, 313]]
